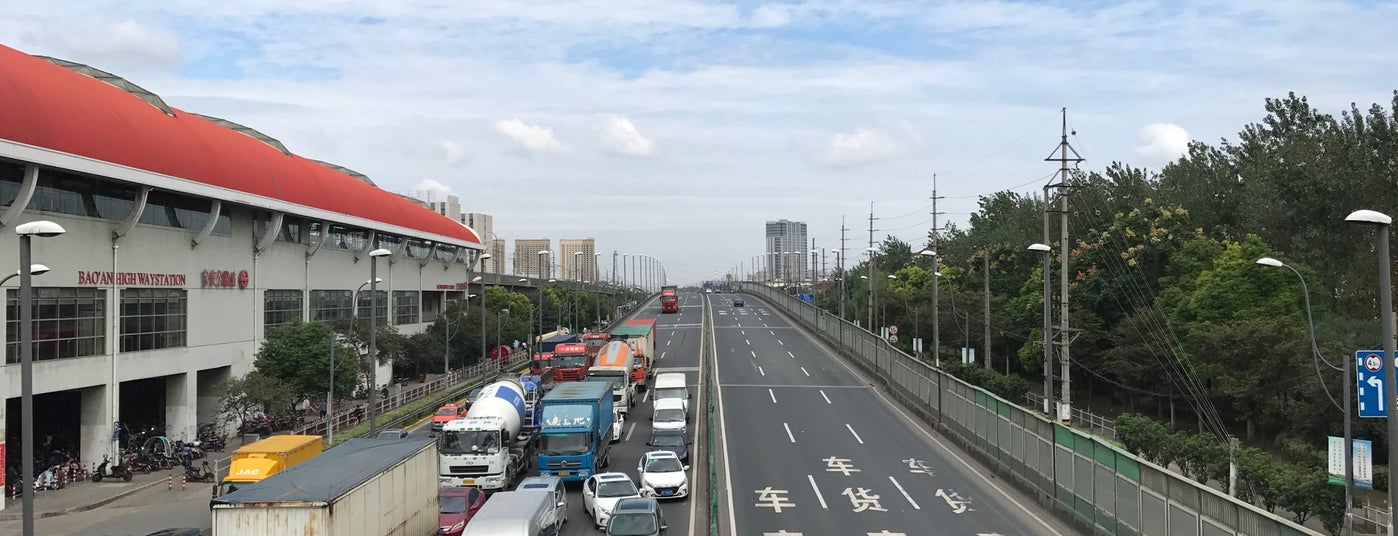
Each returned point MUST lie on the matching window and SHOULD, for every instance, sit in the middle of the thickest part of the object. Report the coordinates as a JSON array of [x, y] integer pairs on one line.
[[81, 196], [342, 237], [405, 307], [366, 301], [444, 254], [280, 307], [417, 249], [291, 230], [152, 318], [388, 242], [331, 305], [11, 177], [68, 322]]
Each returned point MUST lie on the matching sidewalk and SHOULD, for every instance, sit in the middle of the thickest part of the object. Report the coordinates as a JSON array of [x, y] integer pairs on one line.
[[83, 496]]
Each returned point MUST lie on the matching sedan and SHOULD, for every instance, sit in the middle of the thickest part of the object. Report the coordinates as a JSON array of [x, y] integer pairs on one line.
[[601, 493], [637, 517], [670, 440], [663, 476], [457, 506]]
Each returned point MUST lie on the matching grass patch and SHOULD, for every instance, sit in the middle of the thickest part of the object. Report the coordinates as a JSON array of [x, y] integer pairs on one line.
[[420, 408]]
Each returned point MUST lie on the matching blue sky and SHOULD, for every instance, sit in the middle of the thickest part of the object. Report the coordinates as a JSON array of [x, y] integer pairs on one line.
[[704, 119]]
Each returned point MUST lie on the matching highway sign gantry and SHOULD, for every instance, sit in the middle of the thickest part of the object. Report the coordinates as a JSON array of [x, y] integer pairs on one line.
[[1370, 368]]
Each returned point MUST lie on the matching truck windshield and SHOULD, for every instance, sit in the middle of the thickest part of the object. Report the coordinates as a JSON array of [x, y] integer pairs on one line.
[[570, 360], [476, 442], [574, 443]]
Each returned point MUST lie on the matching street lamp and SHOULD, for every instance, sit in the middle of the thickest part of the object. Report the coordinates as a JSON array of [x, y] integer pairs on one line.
[[374, 333], [34, 269], [542, 254], [478, 278], [1048, 337], [27, 232], [1315, 354], [1390, 380], [505, 312], [330, 390], [936, 307]]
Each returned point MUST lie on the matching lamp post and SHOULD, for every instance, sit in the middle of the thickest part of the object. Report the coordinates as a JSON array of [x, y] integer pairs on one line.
[[1315, 354], [330, 390], [542, 254], [27, 232], [1048, 331], [504, 312], [374, 333], [1390, 380], [34, 269], [936, 307], [480, 261]]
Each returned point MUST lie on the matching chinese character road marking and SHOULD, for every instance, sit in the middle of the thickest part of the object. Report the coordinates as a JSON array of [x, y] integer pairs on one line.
[[956, 501], [782, 532], [839, 465], [863, 500], [773, 498], [885, 532], [917, 467]]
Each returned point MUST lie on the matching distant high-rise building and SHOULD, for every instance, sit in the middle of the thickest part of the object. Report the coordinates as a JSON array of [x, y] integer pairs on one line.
[[484, 226], [496, 263], [577, 267], [441, 203], [528, 261], [786, 245]]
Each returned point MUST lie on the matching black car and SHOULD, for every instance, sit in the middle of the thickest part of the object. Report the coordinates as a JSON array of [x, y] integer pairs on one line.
[[393, 433], [737, 302], [671, 440], [639, 516]]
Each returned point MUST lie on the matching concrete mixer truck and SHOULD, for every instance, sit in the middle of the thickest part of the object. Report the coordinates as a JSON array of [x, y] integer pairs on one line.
[[488, 448]]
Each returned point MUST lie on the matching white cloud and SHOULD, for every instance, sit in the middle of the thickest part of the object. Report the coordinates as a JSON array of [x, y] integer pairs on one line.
[[1163, 142], [121, 44], [771, 16], [433, 189], [620, 136], [862, 146], [452, 153], [534, 139]]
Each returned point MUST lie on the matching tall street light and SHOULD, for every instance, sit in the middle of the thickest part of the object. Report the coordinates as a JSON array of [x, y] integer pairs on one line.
[[936, 307], [1315, 355], [27, 232], [1390, 380], [542, 254], [34, 269], [478, 279], [374, 333], [1048, 332], [330, 391]]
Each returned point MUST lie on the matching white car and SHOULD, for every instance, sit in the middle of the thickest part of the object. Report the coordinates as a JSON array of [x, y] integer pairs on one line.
[[602, 491], [618, 421], [663, 476], [668, 414]]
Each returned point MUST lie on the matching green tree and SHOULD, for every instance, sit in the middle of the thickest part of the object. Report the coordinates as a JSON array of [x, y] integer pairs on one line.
[[252, 393], [298, 354]]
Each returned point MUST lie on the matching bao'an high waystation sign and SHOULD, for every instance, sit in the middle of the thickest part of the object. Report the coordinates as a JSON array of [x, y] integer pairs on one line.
[[230, 279]]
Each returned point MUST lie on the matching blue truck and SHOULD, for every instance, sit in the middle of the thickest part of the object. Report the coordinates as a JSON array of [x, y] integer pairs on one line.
[[575, 430]]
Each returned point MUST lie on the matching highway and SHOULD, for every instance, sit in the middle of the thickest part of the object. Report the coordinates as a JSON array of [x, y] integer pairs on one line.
[[813, 450]]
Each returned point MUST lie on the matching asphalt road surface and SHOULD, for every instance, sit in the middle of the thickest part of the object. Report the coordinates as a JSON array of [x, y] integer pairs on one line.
[[812, 449]]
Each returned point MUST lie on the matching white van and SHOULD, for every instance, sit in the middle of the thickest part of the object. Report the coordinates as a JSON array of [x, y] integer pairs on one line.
[[531, 512], [553, 485], [672, 385], [668, 414]]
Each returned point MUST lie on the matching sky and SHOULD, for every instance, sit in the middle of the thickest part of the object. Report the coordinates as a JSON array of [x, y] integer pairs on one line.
[[677, 128]]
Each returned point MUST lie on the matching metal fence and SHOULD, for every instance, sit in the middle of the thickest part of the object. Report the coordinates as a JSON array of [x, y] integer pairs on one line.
[[1084, 420], [1100, 487]]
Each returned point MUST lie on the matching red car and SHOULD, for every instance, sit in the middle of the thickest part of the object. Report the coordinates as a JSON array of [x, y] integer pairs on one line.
[[447, 413], [458, 505]]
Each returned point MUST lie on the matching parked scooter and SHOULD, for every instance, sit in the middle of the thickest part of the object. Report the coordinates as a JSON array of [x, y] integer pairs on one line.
[[107, 469], [202, 474]]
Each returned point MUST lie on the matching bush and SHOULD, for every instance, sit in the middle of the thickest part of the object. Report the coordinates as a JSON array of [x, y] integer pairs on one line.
[[1011, 388]]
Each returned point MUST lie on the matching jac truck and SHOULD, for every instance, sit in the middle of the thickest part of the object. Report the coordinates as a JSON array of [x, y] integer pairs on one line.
[[595, 341], [575, 428], [363, 486], [616, 364], [256, 461], [570, 362], [489, 448], [669, 300], [639, 334]]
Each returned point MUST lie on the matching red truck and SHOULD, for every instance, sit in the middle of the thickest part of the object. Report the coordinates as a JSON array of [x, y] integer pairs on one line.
[[595, 342], [570, 362], [542, 366], [669, 301]]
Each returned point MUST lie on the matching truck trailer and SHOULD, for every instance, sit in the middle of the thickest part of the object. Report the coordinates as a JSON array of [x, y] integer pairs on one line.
[[639, 334], [575, 430], [489, 448], [363, 487], [258, 460]]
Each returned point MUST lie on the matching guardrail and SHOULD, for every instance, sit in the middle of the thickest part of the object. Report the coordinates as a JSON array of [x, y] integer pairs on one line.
[[1084, 478], [706, 374], [1082, 420]]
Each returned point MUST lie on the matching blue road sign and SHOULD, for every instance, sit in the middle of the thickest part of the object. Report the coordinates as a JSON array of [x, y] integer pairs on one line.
[[1370, 367]]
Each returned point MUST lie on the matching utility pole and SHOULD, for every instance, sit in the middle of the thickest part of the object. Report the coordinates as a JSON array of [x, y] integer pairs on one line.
[[872, 261], [812, 273], [936, 280], [1065, 412], [844, 277], [985, 289]]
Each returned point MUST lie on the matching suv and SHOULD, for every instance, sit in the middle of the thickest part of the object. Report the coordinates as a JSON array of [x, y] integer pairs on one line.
[[737, 302], [637, 517]]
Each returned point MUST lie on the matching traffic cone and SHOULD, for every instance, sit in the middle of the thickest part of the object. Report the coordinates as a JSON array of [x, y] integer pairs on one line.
[[169, 482], [184, 479]]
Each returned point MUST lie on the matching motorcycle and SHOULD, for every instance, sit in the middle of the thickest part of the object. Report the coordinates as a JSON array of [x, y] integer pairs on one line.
[[107, 469], [201, 474]]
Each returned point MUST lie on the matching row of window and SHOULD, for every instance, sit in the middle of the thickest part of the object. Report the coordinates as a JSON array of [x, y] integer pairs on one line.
[[71, 322]]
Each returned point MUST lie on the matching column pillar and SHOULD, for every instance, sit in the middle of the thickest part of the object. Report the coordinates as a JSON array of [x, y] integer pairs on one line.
[[180, 405], [95, 428]]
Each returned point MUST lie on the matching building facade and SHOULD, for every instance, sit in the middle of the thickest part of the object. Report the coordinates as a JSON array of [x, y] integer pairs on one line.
[[786, 251], [528, 261], [443, 204], [496, 263], [484, 226], [187, 239], [577, 259]]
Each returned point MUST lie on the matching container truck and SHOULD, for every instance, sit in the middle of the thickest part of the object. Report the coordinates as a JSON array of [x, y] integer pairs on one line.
[[639, 334], [595, 341], [575, 429], [617, 364], [669, 301], [570, 362], [548, 341], [489, 448], [258, 460], [363, 486]]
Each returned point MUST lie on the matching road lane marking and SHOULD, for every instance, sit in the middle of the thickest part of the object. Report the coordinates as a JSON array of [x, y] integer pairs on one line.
[[662, 355], [816, 489], [774, 334], [856, 435], [748, 341], [905, 493], [774, 396], [723, 434], [779, 341], [803, 369], [646, 397], [754, 353], [788, 433], [822, 395], [629, 429], [766, 385], [744, 332], [793, 356], [760, 371], [667, 342]]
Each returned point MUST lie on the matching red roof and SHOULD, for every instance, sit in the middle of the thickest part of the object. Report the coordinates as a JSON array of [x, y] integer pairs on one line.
[[49, 106]]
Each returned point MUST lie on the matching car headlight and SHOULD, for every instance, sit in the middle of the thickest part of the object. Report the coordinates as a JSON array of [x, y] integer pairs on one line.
[[458, 526]]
